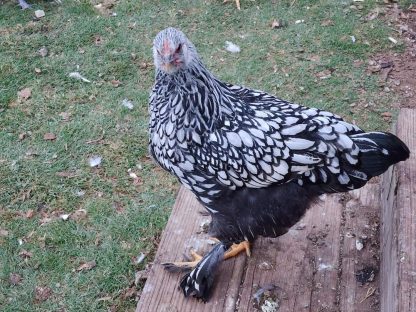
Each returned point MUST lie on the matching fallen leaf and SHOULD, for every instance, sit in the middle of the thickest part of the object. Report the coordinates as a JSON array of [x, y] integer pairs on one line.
[[65, 116], [29, 214], [22, 136], [4, 233], [38, 70], [49, 136], [135, 177], [140, 276], [42, 293], [327, 22], [15, 279], [325, 74], [79, 214], [129, 292], [86, 266], [314, 58], [118, 207], [25, 254], [116, 83], [386, 114], [24, 94]]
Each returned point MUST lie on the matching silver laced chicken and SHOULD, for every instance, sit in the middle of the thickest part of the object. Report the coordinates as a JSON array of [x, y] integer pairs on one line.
[[254, 161]]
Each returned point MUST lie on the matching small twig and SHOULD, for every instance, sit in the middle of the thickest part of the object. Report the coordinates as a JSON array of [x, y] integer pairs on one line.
[[293, 2], [96, 140], [370, 291]]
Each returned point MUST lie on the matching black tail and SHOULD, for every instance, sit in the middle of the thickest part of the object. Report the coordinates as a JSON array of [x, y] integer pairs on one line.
[[199, 281], [379, 150]]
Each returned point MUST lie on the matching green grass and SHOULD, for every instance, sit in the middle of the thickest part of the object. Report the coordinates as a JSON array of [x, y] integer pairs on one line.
[[275, 60]]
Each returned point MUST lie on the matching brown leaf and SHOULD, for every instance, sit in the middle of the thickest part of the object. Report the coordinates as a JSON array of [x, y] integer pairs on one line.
[[314, 58], [116, 83], [65, 116], [22, 136], [129, 292], [15, 279], [386, 114], [42, 293], [25, 254], [327, 22], [4, 233], [24, 94], [79, 215], [29, 214], [86, 266], [141, 276], [49, 136], [118, 207], [325, 74]]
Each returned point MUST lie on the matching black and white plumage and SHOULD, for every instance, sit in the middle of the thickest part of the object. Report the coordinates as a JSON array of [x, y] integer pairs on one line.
[[256, 162]]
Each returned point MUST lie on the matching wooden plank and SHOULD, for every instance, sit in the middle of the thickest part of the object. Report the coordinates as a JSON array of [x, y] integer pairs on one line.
[[406, 210], [398, 232], [303, 263], [359, 280], [182, 233]]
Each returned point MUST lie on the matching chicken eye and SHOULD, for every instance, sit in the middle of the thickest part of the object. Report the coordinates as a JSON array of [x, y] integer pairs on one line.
[[179, 48]]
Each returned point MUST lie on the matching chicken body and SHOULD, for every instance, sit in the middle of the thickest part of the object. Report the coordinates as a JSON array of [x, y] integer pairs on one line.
[[256, 162]]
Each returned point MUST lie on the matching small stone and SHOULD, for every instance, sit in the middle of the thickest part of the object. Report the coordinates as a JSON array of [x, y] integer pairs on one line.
[[43, 51], [359, 245], [39, 13]]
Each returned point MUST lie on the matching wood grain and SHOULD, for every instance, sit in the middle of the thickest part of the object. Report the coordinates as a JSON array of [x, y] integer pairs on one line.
[[406, 213]]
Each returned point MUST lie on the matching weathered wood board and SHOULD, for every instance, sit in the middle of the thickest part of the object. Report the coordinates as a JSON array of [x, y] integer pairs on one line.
[[398, 236], [312, 268], [329, 261]]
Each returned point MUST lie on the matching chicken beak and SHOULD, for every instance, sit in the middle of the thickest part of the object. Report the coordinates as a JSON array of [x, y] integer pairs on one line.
[[169, 67]]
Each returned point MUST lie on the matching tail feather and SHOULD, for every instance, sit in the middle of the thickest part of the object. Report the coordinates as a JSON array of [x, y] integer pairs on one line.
[[379, 150], [199, 281]]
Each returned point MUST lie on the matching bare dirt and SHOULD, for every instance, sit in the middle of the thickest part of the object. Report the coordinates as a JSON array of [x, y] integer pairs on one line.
[[398, 70]]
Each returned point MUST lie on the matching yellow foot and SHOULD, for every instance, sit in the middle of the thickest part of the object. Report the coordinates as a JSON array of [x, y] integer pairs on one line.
[[183, 266], [235, 249]]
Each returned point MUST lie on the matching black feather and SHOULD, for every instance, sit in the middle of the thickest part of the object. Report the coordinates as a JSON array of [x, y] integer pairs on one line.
[[379, 150]]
